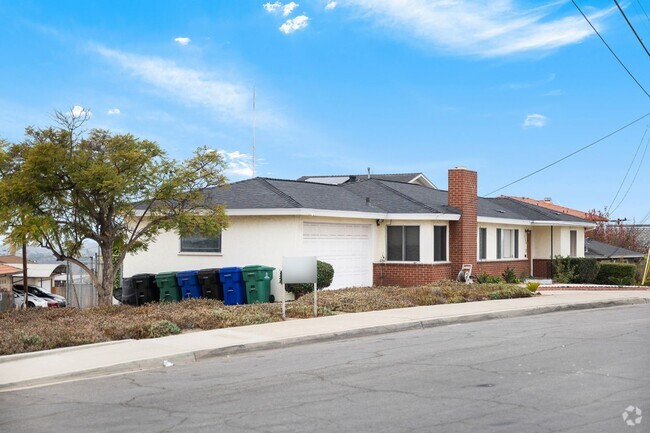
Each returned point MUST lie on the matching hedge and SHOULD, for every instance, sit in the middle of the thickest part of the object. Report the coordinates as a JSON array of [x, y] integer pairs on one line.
[[622, 274], [585, 270], [581, 270]]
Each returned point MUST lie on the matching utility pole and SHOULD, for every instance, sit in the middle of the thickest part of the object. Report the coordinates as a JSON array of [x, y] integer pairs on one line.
[[254, 119], [25, 286]]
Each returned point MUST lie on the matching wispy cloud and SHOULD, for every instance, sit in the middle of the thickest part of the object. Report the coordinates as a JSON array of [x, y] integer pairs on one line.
[[239, 164], [294, 24], [182, 40], [535, 121], [330, 5], [272, 7], [113, 112], [529, 84], [479, 28], [79, 111], [288, 8], [230, 100], [277, 7], [555, 92]]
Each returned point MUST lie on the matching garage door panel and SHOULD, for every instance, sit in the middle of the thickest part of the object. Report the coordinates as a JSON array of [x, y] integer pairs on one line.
[[346, 247]]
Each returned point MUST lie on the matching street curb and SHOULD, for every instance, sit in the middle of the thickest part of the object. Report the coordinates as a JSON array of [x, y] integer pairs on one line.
[[198, 355], [29, 355]]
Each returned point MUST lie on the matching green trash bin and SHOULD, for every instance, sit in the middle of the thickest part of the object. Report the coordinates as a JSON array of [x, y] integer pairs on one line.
[[258, 283], [168, 285]]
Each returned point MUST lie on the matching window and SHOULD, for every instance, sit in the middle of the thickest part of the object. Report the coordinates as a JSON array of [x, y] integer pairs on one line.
[[507, 244], [200, 244], [573, 243], [403, 243], [482, 243], [439, 243]]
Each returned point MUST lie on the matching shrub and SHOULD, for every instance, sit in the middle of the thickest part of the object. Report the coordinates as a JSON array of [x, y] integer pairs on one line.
[[562, 269], [509, 276], [640, 269], [485, 278], [510, 292], [163, 328], [585, 270], [532, 286], [324, 277], [621, 274]]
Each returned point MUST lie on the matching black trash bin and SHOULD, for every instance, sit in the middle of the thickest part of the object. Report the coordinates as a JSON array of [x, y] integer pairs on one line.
[[128, 292], [145, 288], [211, 286]]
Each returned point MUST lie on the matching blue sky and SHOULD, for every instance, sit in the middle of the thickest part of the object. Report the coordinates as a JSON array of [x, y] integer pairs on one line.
[[502, 87]]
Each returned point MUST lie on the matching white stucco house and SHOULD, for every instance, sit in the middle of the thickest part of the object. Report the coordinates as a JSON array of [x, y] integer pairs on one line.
[[374, 230]]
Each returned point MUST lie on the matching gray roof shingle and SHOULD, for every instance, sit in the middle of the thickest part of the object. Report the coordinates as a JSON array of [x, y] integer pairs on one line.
[[596, 249], [372, 195]]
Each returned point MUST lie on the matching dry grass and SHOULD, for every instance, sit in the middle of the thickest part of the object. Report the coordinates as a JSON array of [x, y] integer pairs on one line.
[[39, 329]]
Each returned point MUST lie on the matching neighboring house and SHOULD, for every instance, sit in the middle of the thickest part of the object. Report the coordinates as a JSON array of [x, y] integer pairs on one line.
[[13, 260], [606, 252], [373, 231], [41, 274], [6, 292], [414, 178], [548, 204]]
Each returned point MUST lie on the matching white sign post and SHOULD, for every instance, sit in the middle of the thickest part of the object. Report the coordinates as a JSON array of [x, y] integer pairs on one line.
[[299, 270]]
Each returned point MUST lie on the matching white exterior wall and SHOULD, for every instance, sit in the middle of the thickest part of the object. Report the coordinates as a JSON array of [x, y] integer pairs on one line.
[[426, 239], [561, 242], [491, 253], [247, 241]]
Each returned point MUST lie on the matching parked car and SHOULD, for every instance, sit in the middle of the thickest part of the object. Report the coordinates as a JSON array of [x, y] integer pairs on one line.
[[32, 301], [39, 292]]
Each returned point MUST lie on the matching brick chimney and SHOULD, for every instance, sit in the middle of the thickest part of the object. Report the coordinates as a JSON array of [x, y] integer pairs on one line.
[[463, 233]]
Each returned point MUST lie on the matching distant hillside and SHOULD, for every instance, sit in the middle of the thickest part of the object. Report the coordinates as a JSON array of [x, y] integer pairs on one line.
[[42, 255]]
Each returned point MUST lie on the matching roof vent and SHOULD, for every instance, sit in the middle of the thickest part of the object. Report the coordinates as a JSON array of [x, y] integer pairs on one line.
[[548, 199], [367, 201], [500, 211], [352, 179]]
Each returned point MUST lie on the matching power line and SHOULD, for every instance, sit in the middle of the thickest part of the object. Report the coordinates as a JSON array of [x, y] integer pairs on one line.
[[644, 12], [634, 178], [611, 50], [628, 169], [632, 27], [569, 155]]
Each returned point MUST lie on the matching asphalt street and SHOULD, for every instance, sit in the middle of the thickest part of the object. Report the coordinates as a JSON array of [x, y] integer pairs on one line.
[[573, 371]]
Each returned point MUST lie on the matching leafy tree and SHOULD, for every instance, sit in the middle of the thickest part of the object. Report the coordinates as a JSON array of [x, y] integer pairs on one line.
[[613, 232], [63, 186]]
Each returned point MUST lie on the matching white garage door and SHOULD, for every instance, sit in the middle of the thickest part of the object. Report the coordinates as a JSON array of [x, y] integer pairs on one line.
[[346, 247]]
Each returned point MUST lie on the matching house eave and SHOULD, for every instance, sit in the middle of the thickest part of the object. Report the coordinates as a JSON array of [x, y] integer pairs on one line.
[[518, 222], [343, 214]]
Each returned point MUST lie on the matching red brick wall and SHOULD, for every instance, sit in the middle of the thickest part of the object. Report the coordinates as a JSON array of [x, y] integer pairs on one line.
[[542, 268], [462, 234], [409, 274], [496, 268]]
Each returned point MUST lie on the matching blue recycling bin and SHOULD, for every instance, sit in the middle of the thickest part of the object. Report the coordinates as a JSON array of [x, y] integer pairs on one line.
[[188, 281], [233, 286]]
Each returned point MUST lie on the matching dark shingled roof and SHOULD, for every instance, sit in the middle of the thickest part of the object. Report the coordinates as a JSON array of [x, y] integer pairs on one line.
[[506, 207], [397, 197], [599, 250], [263, 193], [372, 195], [350, 178]]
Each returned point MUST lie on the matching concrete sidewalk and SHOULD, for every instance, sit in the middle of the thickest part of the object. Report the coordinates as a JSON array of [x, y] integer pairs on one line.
[[53, 366]]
